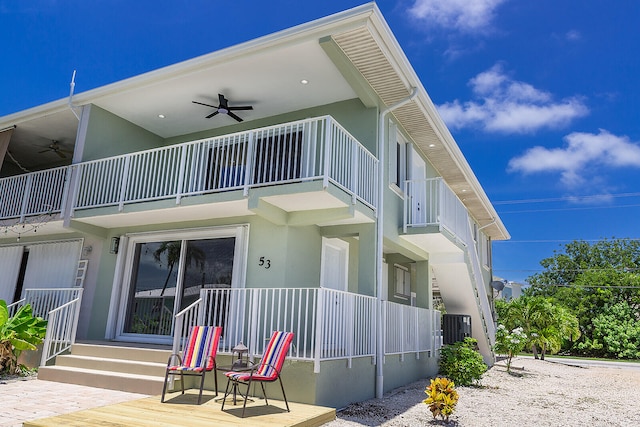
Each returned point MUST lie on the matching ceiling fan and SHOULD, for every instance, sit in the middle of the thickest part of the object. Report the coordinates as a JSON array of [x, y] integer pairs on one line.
[[224, 108], [56, 148]]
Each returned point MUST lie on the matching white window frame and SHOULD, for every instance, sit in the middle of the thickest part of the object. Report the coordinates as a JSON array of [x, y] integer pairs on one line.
[[402, 281], [122, 278], [397, 159]]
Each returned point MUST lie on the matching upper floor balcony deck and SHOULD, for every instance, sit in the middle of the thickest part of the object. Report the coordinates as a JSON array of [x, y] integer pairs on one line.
[[317, 153], [431, 208]]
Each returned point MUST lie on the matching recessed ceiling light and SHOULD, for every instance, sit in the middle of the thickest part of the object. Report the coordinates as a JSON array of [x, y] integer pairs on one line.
[[432, 145], [304, 81], [162, 116]]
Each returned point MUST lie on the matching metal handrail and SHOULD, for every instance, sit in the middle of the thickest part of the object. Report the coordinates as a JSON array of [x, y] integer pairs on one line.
[[61, 329]]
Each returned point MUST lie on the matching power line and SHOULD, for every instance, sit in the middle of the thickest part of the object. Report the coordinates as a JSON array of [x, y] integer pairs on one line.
[[565, 198], [615, 239], [571, 209]]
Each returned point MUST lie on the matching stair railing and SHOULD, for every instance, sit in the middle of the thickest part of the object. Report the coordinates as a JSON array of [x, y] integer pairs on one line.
[[61, 329]]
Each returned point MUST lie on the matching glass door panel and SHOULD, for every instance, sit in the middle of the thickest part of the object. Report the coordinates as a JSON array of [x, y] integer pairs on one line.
[[152, 293], [208, 264]]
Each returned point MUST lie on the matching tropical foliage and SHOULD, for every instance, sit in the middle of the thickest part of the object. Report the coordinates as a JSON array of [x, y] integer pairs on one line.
[[442, 398], [462, 362], [21, 332], [546, 325], [599, 283], [510, 342]]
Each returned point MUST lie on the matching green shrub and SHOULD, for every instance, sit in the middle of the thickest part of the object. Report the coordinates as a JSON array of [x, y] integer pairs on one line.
[[462, 363]]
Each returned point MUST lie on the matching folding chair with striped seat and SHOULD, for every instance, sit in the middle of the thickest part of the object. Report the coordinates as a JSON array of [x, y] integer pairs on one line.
[[199, 357], [268, 370]]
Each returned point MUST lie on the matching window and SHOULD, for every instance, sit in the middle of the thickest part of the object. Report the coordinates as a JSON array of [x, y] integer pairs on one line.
[[403, 281], [397, 158]]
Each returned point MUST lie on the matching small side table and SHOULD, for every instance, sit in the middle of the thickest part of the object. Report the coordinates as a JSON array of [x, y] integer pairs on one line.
[[236, 367]]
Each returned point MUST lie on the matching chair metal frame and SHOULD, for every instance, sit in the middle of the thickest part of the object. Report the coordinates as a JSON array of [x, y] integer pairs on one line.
[[277, 349], [202, 366]]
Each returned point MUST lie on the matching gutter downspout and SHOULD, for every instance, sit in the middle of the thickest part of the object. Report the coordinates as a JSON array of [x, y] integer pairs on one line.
[[380, 238]]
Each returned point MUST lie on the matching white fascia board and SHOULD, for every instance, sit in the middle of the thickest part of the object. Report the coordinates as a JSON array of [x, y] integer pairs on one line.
[[403, 67]]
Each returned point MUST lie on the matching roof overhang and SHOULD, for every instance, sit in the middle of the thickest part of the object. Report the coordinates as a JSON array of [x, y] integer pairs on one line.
[[343, 56]]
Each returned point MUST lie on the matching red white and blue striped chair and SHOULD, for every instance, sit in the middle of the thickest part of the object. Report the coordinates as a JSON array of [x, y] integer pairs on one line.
[[268, 370], [199, 357]]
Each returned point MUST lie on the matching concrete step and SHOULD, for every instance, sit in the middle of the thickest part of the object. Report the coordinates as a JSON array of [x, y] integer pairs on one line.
[[123, 352], [133, 383], [114, 365]]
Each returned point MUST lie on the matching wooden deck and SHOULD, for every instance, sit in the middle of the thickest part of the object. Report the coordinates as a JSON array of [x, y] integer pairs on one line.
[[183, 410]]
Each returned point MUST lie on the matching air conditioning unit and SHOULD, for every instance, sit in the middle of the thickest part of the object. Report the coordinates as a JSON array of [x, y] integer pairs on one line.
[[455, 327]]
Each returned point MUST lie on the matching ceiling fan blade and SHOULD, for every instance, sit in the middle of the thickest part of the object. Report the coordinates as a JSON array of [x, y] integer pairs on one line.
[[44, 151], [212, 114], [245, 107], [60, 154], [230, 114], [206, 105]]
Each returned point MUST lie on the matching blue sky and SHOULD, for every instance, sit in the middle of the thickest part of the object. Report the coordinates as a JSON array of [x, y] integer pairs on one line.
[[541, 96]]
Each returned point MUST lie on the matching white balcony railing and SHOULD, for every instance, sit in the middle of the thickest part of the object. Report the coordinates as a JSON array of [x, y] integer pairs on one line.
[[327, 324], [430, 202], [305, 150], [32, 194], [312, 149]]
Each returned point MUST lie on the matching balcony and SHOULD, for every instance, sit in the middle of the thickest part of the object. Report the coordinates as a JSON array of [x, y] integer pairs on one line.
[[434, 217], [317, 152]]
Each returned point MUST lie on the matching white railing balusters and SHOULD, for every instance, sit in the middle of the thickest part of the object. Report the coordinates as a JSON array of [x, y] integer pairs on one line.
[[312, 149]]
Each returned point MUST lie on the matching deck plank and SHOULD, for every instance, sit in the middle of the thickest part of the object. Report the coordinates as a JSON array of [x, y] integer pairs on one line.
[[181, 410]]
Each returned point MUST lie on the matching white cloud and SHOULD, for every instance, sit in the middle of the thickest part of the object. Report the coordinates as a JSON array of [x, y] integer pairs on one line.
[[573, 35], [506, 105], [583, 155], [464, 15]]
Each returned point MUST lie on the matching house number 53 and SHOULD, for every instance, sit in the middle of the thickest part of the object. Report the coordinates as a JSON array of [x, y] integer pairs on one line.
[[266, 263]]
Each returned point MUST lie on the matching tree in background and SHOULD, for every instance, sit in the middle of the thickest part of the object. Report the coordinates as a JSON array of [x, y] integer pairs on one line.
[[600, 284], [546, 325]]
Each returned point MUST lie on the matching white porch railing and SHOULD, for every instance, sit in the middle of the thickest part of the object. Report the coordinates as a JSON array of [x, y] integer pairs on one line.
[[327, 324], [61, 329], [430, 202], [60, 307], [305, 150], [410, 329], [44, 300], [35, 193]]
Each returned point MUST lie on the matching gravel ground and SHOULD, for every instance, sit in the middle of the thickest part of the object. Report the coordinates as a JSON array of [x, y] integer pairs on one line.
[[542, 394]]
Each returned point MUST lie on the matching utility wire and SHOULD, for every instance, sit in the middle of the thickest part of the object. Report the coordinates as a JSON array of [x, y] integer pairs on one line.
[[565, 198]]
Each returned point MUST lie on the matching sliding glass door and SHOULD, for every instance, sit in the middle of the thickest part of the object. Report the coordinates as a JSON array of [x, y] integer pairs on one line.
[[165, 274]]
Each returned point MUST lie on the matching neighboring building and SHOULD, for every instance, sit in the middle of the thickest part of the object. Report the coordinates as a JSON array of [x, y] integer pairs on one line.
[[329, 210]]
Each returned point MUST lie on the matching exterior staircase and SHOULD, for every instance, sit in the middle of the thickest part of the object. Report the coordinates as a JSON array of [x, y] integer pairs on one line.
[[114, 366]]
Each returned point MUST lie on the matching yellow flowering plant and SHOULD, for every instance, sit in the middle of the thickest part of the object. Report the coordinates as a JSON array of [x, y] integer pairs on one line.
[[442, 397]]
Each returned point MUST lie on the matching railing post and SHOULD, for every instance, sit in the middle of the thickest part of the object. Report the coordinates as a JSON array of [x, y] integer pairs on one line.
[[355, 169], [64, 202], [249, 164], [319, 331], [76, 317], [181, 172], [328, 145], [25, 197], [125, 180]]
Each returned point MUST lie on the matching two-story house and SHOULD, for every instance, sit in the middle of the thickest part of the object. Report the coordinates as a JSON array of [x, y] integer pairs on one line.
[[302, 181]]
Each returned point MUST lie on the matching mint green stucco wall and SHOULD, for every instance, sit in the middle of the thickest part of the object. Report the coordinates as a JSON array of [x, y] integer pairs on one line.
[[294, 254], [109, 135]]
